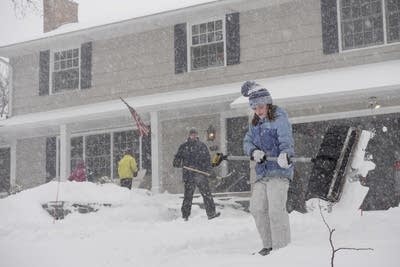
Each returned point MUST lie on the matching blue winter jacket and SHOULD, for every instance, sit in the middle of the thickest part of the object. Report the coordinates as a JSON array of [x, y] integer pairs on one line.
[[272, 137]]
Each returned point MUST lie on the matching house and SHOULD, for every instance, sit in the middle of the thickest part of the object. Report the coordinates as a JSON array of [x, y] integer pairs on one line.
[[324, 61]]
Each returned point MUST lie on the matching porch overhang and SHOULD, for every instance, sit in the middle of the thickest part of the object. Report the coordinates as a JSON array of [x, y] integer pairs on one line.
[[347, 86], [116, 108]]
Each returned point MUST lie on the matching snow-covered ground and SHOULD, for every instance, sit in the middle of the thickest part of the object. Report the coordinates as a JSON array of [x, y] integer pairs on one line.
[[141, 229]]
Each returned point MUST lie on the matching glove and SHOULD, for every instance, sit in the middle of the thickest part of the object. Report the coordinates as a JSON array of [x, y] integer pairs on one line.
[[258, 156], [283, 161]]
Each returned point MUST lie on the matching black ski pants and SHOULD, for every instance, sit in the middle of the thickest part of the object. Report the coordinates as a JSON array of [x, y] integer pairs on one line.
[[190, 186]]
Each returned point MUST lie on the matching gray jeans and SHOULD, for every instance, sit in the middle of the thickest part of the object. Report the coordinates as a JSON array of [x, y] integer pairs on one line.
[[268, 207]]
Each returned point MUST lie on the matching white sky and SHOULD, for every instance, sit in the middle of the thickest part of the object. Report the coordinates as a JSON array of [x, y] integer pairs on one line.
[[15, 28], [146, 230]]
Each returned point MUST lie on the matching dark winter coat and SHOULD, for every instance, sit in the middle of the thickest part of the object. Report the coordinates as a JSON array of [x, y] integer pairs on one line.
[[193, 154], [272, 137]]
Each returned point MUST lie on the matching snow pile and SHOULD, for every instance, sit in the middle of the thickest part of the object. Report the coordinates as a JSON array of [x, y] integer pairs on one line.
[[140, 229]]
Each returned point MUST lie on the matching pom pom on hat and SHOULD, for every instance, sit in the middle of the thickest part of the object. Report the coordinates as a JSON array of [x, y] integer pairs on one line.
[[256, 93]]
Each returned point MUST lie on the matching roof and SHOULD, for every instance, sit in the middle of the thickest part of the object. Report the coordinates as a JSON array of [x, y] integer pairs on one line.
[[30, 26], [118, 18]]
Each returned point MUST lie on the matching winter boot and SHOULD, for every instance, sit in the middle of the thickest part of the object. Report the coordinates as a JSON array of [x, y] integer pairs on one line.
[[215, 215], [265, 251]]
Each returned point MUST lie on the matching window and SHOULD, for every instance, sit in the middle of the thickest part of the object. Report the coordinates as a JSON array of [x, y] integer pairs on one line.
[[66, 70], [98, 154], [5, 169], [362, 22], [76, 151], [393, 20], [122, 140], [207, 44]]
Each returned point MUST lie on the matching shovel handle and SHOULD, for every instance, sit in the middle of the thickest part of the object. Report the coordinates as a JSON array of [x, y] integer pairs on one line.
[[293, 159]]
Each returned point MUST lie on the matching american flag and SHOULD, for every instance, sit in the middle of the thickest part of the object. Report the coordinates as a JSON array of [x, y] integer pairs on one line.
[[143, 129]]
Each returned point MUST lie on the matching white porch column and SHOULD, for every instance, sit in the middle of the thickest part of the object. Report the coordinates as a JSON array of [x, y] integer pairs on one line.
[[155, 152], [65, 152], [13, 163]]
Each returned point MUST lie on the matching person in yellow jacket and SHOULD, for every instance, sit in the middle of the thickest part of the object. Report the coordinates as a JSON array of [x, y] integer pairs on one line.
[[127, 169]]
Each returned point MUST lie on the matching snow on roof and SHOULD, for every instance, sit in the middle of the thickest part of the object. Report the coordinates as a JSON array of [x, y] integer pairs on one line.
[[90, 14], [161, 101], [340, 80]]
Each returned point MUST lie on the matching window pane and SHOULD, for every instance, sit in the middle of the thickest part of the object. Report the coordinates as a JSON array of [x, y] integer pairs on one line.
[[98, 156], [63, 55], [56, 66], [218, 25], [203, 38], [69, 63], [76, 151], [69, 54], [210, 26], [218, 36], [57, 56], [67, 79], [195, 29], [195, 40], [210, 37], [76, 62], [203, 28], [393, 20], [361, 23], [76, 52]]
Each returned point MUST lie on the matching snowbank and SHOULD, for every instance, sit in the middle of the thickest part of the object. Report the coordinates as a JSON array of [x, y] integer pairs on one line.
[[141, 229]]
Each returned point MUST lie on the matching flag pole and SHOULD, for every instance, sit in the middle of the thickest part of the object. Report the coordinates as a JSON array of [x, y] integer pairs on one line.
[[141, 128]]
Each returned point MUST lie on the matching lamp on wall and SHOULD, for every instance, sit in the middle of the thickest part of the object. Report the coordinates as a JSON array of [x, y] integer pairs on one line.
[[211, 133], [373, 103]]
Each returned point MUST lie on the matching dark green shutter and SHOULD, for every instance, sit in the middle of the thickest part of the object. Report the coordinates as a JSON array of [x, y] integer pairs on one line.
[[330, 41], [232, 39], [180, 47], [86, 65], [44, 71]]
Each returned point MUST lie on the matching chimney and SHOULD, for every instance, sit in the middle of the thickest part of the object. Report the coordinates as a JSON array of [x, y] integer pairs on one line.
[[57, 13]]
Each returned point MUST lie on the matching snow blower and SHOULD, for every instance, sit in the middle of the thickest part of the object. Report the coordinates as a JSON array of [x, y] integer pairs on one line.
[[329, 166]]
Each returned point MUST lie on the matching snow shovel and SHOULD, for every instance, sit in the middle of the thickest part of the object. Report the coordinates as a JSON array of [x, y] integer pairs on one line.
[[136, 181], [329, 166]]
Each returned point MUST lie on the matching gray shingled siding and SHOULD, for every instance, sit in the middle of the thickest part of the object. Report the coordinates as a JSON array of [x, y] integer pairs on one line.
[[31, 162], [275, 41]]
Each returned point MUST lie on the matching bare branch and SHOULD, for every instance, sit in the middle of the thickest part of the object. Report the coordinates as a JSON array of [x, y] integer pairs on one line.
[[331, 240]]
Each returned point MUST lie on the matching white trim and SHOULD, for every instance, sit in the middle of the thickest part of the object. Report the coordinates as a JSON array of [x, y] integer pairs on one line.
[[13, 162], [345, 115], [112, 155], [65, 152], [156, 185]]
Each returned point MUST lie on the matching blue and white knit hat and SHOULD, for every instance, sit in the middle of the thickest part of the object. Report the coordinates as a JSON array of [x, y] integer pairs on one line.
[[256, 93]]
